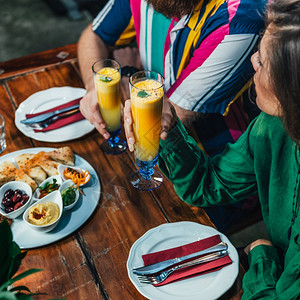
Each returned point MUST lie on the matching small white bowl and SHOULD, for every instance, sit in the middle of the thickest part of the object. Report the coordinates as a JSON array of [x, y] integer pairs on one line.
[[63, 187], [14, 185], [37, 192], [61, 169], [54, 197]]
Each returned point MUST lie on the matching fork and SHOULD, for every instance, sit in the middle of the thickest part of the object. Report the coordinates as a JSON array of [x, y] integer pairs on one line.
[[162, 276], [46, 123], [160, 266]]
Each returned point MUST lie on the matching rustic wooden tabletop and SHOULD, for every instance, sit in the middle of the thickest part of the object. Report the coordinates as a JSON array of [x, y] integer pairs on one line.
[[91, 262]]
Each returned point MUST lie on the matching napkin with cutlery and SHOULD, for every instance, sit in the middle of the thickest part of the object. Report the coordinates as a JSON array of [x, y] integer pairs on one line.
[[61, 122], [187, 249]]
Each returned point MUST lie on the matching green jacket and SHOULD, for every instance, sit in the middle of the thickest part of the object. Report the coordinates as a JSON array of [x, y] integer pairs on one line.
[[263, 160]]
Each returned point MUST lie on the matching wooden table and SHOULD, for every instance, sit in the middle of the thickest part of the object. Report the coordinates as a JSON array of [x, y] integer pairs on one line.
[[91, 263]]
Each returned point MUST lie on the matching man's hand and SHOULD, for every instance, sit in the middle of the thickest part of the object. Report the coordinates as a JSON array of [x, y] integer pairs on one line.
[[91, 48], [90, 110], [256, 243], [168, 121]]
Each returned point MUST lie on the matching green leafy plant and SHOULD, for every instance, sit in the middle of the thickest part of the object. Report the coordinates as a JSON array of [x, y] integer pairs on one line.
[[10, 260]]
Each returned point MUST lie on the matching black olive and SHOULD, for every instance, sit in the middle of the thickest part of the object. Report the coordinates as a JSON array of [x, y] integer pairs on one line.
[[9, 209], [9, 193]]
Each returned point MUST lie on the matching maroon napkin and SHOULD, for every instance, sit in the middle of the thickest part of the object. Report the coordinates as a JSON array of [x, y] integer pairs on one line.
[[68, 104], [61, 122], [183, 250]]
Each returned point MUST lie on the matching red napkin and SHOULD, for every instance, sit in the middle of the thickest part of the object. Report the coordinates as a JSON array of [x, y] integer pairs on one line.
[[68, 104], [62, 122], [183, 250]]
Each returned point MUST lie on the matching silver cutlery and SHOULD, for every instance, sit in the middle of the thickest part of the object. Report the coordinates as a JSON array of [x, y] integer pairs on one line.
[[162, 276], [46, 116], [46, 123], [154, 268]]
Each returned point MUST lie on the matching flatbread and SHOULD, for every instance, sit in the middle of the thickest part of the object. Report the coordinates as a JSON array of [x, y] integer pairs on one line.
[[35, 168], [42, 161], [7, 172], [22, 176], [23, 159], [49, 166], [64, 155], [36, 173]]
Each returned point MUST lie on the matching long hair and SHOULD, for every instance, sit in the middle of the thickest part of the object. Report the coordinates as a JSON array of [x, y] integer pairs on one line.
[[283, 21]]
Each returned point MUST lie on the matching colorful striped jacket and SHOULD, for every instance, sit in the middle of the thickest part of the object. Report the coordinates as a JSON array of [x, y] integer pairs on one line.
[[204, 56]]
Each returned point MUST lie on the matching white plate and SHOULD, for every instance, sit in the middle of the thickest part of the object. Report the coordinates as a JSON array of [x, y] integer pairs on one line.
[[71, 220], [207, 286], [47, 99]]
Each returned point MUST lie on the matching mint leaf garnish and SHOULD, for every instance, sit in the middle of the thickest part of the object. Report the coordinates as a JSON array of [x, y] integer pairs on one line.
[[143, 94], [105, 78]]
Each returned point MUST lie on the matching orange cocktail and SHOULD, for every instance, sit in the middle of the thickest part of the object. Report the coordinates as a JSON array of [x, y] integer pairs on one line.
[[107, 76], [147, 101], [107, 81], [146, 93]]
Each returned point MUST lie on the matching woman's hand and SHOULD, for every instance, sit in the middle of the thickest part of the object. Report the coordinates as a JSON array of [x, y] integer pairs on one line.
[[90, 110], [128, 125], [168, 121], [257, 243]]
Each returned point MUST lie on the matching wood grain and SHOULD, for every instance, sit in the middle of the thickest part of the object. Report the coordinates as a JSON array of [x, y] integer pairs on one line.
[[90, 263], [32, 62]]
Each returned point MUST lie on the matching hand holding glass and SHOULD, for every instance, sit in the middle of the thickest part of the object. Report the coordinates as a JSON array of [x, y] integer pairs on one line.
[[146, 93], [107, 78]]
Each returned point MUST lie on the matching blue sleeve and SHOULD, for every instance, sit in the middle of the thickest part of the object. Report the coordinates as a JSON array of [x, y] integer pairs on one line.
[[112, 20]]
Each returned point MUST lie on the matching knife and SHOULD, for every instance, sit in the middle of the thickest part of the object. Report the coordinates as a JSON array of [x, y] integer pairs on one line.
[[48, 115], [154, 268], [49, 121]]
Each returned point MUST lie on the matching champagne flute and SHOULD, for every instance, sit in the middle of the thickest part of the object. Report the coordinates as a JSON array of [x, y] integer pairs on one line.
[[146, 93], [107, 76]]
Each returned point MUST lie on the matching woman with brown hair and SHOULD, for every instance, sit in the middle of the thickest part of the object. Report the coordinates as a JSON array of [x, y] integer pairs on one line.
[[265, 159]]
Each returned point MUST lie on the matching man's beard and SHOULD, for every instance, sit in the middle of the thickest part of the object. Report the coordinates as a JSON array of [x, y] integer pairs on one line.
[[173, 8]]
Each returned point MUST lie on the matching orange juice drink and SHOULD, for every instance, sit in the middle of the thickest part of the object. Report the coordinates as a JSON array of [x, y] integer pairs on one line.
[[147, 101], [107, 82]]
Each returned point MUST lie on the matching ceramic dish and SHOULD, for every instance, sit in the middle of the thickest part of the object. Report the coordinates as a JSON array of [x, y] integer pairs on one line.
[[14, 185], [63, 187], [208, 286], [54, 197], [47, 99], [61, 169], [28, 238], [36, 194]]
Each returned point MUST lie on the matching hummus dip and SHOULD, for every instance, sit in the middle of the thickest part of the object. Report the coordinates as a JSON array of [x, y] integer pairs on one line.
[[43, 213]]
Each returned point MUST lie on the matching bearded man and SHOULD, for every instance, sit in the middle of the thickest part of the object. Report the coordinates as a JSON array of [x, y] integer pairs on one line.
[[202, 48]]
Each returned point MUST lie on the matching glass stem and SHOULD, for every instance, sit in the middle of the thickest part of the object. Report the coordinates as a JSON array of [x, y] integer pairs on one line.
[[114, 138], [113, 141], [146, 168], [146, 172]]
